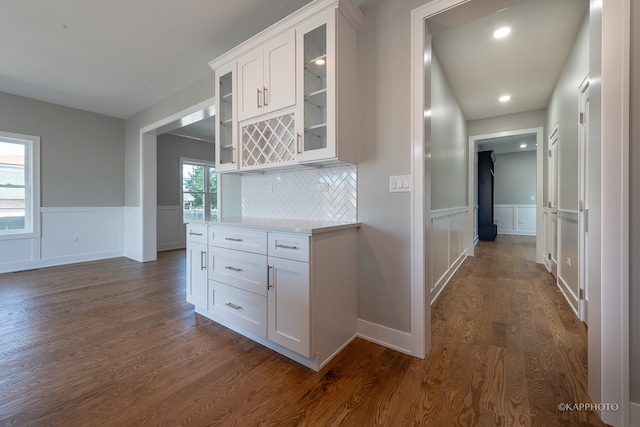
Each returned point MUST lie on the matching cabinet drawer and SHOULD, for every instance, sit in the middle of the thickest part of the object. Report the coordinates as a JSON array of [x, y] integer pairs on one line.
[[238, 238], [244, 309], [242, 270], [289, 246], [197, 233]]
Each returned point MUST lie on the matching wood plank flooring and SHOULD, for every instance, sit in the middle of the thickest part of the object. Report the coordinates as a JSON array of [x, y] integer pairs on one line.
[[113, 343]]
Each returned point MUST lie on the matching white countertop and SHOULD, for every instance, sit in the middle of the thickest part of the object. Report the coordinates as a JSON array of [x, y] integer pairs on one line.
[[286, 225]]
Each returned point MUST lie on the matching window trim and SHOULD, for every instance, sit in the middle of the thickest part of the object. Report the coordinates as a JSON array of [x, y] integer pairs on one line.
[[208, 195], [32, 187]]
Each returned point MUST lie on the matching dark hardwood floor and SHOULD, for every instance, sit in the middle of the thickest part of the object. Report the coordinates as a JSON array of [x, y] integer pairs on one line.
[[113, 343]]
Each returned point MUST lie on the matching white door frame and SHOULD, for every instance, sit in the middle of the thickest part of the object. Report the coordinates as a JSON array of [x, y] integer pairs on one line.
[[609, 334], [146, 222], [583, 200], [473, 141]]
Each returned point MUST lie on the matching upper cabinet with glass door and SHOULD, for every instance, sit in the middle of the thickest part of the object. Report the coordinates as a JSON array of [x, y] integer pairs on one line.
[[327, 89], [227, 124], [293, 91]]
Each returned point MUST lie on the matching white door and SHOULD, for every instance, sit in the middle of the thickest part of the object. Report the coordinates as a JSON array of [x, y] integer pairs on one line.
[[288, 322], [583, 200], [279, 89], [250, 85], [197, 274], [553, 199]]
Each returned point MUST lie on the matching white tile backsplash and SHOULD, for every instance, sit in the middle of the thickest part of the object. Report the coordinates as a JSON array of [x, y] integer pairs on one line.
[[316, 193]]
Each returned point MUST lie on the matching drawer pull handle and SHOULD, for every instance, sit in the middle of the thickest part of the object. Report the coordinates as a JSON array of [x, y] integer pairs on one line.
[[269, 274], [229, 267], [232, 305], [191, 233], [203, 260], [232, 239], [294, 248]]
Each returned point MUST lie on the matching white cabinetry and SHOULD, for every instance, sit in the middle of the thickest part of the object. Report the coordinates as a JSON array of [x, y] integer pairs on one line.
[[326, 116], [227, 124], [197, 293], [238, 277], [296, 85], [266, 77], [292, 292], [289, 314]]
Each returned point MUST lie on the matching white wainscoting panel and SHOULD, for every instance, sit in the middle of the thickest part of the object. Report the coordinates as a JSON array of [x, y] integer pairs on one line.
[[80, 234], [68, 235], [133, 232], [568, 256], [449, 231], [515, 219], [171, 231], [315, 193], [19, 254]]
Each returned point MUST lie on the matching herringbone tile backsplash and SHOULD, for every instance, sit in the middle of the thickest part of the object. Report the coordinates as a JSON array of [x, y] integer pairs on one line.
[[300, 194]]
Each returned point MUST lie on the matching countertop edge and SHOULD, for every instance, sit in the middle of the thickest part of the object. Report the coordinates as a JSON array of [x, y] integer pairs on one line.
[[311, 229]]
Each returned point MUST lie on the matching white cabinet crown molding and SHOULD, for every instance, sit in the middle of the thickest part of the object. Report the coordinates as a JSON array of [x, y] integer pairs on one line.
[[289, 23]]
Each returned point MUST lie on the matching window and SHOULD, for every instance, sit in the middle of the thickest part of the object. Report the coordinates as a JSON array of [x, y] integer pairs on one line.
[[19, 185], [199, 190]]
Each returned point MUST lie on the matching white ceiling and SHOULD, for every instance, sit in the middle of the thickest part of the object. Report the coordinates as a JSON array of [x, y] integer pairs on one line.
[[118, 57], [525, 65]]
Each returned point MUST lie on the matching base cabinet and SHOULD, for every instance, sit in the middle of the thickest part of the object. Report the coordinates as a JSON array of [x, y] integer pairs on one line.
[[197, 283], [288, 305], [292, 292]]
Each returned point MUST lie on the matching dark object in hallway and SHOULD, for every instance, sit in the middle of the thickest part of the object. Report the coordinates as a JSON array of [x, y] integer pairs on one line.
[[487, 230]]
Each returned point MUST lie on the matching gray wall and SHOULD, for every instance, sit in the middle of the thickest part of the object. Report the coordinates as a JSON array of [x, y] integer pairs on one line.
[[191, 95], [510, 122], [515, 178], [563, 109], [81, 153], [384, 149], [634, 203], [449, 144], [170, 149]]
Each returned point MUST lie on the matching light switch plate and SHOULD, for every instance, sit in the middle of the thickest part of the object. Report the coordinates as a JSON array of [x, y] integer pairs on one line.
[[400, 184]]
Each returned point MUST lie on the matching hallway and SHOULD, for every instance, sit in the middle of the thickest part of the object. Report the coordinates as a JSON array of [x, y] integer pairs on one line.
[[113, 343], [506, 346]]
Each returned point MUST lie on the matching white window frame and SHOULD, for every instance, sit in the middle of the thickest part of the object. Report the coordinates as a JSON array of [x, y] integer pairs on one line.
[[208, 195], [32, 186]]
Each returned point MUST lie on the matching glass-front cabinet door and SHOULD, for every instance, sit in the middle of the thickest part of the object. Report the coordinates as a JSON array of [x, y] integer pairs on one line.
[[226, 123], [316, 79]]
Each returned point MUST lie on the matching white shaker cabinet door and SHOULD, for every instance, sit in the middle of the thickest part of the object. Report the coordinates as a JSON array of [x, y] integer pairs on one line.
[[288, 305]]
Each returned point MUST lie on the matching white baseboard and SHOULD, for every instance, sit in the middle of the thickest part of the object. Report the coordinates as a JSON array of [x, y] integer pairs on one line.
[[634, 416], [171, 246], [571, 298], [387, 337], [517, 232]]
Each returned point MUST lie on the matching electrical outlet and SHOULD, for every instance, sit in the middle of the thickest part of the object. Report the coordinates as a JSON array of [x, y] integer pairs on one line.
[[268, 189], [569, 261], [323, 186], [73, 239]]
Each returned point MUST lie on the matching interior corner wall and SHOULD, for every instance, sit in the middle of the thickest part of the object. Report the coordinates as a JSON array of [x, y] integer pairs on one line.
[[634, 203], [511, 122], [449, 166], [170, 149], [384, 149], [197, 92], [515, 178]]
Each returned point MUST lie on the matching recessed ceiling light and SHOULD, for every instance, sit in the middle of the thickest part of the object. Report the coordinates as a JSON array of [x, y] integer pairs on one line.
[[501, 32], [523, 145], [320, 61], [504, 98]]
